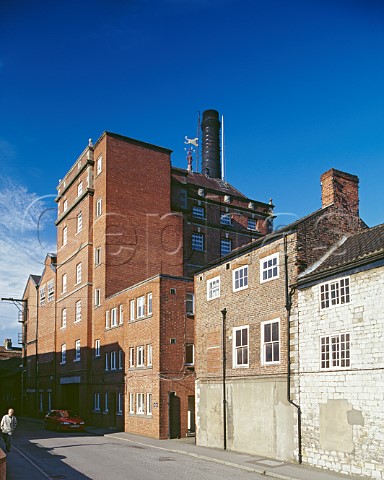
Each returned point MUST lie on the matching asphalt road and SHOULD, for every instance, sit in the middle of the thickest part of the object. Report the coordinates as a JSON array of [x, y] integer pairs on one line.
[[38, 454]]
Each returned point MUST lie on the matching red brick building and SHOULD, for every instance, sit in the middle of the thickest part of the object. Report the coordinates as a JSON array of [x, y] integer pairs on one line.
[[131, 230]]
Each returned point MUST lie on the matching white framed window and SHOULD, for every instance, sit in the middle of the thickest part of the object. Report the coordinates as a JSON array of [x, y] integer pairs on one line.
[[97, 297], [226, 219], [79, 189], [65, 236], [51, 290], [335, 351], [149, 355], [63, 353], [106, 402], [140, 356], [42, 295], [99, 207], [132, 310], [98, 256], [77, 351], [149, 304], [107, 322], [106, 361], [149, 403], [79, 222], [225, 246], [113, 360], [335, 292], [270, 342], [213, 288], [97, 348], [63, 318], [240, 347], [131, 357], [252, 224], [65, 205], [269, 268], [189, 354], [131, 403], [121, 313], [120, 403], [78, 311], [198, 212], [198, 242], [140, 403], [140, 307], [99, 165], [78, 273], [96, 402], [114, 317], [240, 278], [189, 303], [121, 359], [64, 283]]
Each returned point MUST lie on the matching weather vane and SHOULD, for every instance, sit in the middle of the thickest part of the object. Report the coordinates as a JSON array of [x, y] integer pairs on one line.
[[190, 150]]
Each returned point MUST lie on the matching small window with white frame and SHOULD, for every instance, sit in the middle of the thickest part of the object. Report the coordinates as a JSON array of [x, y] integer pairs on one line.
[[63, 353], [106, 402], [141, 307], [335, 351], [140, 403], [99, 207], [64, 283], [78, 311], [96, 402], [189, 303], [270, 342], [97, 348], [97, 297], [149, 304], [97, 256], [114, 317], [77, 351], [65, 236], [65, 205], [131, 357], [240, 278], [149, 355], [113, 360], [79, 189], [121, 314], [269, 268], [140, 356], [131, 403], [240, 347], [51, 290], [198, 212], [121, 360], [149, 403], [63, 318], [120, 403], [213, 288], [106, 361], [78, 273], [335, 292], [79, 222], [99, 165], [132, 310], [107, 319], [42, 295]]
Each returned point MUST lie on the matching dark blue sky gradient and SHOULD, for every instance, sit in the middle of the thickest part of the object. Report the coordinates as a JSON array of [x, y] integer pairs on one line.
[[300, 84]]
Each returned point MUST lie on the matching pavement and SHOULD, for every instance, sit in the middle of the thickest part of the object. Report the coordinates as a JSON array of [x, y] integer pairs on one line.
[[268, 467]]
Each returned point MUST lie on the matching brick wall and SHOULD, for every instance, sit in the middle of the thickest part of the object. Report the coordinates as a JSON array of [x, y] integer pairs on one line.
[[342, 408]]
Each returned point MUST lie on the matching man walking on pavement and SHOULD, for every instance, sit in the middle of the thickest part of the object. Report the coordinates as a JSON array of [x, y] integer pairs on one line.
[[8, 425]]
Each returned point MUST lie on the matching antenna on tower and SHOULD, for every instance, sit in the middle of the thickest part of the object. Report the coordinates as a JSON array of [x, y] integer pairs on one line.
[[222, 149]]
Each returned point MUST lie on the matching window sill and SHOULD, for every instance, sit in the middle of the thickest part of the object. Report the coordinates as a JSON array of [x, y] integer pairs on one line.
[[76, 360]]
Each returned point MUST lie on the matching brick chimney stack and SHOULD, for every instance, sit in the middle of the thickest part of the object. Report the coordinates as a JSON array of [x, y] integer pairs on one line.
[[8, 344], [340, 189]]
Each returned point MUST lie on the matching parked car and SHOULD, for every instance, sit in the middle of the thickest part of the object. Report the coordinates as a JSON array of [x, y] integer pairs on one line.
[[63, 420]]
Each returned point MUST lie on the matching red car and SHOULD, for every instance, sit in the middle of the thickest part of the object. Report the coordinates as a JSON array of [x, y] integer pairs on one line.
[[63, 420]]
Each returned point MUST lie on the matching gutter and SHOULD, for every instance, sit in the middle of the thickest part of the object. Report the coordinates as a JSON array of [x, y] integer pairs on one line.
[[288, 307]]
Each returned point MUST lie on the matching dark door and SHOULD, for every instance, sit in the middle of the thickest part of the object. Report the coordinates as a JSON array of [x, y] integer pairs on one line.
[[174, 415], [70, 397]]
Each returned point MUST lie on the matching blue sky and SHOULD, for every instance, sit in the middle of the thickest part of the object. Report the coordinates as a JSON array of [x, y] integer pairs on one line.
[[300, 85]]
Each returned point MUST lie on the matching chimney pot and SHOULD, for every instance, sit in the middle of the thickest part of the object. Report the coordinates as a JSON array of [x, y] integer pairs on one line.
[[8, 344]]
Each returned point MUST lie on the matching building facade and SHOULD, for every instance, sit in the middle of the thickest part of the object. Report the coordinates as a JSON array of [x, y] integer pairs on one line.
[[130, 229], [245, 336], [340, 367]]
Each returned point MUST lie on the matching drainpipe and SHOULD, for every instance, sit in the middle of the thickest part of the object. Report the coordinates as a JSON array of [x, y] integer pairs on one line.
[[224, 314], [288, 306], [37, 353]]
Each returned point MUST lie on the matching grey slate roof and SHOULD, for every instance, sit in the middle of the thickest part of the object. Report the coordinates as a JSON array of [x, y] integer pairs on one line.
[[361, 247]]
